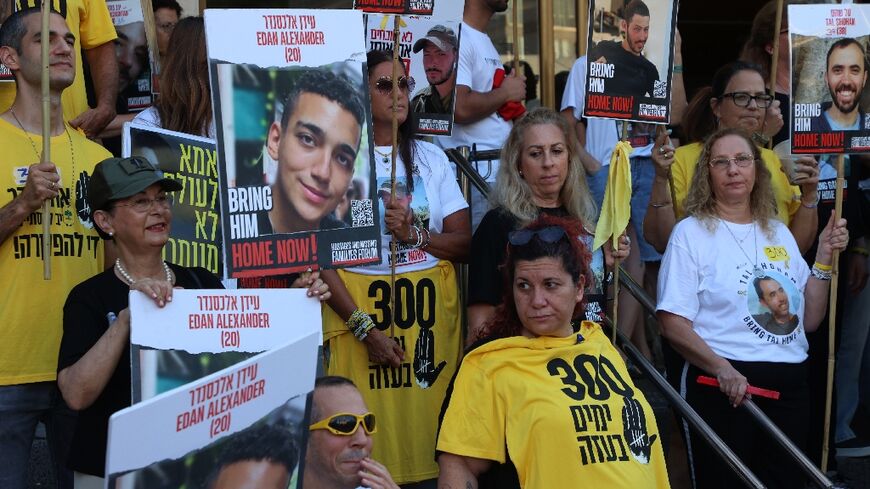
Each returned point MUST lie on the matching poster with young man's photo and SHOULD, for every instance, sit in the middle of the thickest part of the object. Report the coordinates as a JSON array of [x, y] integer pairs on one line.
[[830, 94], [294, 141], [131, 50], [429, 53], [195, 239], [630, 59], [247, 422]]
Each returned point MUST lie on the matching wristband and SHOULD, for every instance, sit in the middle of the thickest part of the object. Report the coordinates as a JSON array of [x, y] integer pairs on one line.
[[760, 139], [820, 274], [824, 268], [814, 204], [860, 251], [360, 324], [428, 239], [678, 69], [659, 205]]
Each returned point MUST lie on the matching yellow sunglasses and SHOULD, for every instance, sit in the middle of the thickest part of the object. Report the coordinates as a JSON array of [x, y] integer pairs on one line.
[[346, 424]]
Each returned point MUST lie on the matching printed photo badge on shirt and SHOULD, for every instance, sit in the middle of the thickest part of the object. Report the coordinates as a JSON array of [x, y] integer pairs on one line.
[[181, 437], [131, 49], [429, 49], [631, 55], [195, 239], [774, 304], [829, 78], [292, 115]]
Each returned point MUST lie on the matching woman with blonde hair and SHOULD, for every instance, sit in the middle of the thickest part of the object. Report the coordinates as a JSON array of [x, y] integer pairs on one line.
[[736, 300], [540, 173]]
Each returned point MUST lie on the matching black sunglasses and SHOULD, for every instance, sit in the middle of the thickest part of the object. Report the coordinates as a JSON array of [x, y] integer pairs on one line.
[[385, 84], [549, 234]]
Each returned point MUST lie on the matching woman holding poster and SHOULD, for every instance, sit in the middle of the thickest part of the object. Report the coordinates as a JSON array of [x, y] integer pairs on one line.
[[736, 300], [404, 378], [132, 207]]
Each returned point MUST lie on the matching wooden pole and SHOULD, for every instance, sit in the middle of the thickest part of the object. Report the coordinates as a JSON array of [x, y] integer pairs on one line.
[[661, 129], [151, 33], [516, 32], [832, 313], [46, 137], [393, 243], [775, 58], [616, 262]]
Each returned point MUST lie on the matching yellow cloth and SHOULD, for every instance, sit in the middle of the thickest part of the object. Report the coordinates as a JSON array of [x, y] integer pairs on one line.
[[616, 208], [90, 22], [566, 410], [788, 197], [407, 399], [31, 307]]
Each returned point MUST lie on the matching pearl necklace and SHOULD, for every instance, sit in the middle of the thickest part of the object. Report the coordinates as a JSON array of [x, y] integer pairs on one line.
[[129, 279]]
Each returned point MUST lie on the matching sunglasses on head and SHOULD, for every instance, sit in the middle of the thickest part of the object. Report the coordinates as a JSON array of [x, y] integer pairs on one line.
[[346, 424], [385, 84], [549, 234]]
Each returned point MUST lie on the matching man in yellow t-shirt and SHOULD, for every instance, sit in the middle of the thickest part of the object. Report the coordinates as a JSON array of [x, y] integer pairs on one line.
[[90, 23], [32, 307]]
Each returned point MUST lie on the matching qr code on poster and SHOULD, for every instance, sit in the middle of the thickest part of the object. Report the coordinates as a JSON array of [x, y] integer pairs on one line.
[[660, 89], [361, 213]]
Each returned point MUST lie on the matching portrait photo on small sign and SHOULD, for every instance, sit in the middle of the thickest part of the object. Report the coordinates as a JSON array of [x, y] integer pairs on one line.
[[631, 54], [830, 93]]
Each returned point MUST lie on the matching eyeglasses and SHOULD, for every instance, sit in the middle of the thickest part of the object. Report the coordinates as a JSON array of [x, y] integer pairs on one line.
[[144, 204], [723, 163], [549, 234], [385, 84], [346, 424], [742, 99]]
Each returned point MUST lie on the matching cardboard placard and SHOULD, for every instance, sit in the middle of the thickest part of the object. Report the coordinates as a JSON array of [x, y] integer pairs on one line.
[[630, 61], [830, 93], [297, 189]]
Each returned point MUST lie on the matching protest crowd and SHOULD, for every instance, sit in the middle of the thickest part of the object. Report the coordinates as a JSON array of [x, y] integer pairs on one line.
[[472, 346]]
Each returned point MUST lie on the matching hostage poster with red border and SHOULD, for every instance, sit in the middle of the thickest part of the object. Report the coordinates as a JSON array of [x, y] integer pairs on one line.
[[294, 140], [830, 93], [191, 435], [202, 331], [429, 49], [630, 61], [195, 239]]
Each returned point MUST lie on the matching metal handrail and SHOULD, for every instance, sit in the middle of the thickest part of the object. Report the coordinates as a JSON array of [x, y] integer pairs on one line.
[[464, 165]]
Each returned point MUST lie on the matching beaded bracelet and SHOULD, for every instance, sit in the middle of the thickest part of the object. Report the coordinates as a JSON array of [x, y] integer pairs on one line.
[[428, 239], [820, 274], [360, 324]]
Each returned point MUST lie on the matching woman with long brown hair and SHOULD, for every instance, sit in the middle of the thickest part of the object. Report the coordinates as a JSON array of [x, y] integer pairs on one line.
[[184, 104]]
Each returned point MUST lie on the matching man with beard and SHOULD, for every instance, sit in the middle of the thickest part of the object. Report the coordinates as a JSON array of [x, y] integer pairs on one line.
[[846, 75], [439, 59], [340, 440], [633, 74], [779, 320]]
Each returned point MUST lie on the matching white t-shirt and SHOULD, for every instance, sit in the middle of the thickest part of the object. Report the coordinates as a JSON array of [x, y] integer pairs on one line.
[[601, 134], [436, 195], [479, 63], [707, 279], [150, 117]]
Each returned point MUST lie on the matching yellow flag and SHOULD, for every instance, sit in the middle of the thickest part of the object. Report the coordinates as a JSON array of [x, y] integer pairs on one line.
[[616, 209]]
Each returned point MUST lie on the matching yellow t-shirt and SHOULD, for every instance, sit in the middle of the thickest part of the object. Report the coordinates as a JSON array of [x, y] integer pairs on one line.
[[90, 22], [788, 197], [565, 409], [32, 308], [406, 399]]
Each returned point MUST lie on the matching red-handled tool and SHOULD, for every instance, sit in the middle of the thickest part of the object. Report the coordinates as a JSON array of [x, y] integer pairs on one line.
[[755, 391]]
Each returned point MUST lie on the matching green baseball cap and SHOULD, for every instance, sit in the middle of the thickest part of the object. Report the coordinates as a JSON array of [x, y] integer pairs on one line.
[[387, 187], [119, 178]]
